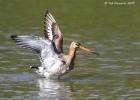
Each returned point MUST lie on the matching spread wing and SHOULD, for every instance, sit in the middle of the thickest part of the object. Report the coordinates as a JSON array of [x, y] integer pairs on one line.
[[32, 42], [52, 32], [42, 46]]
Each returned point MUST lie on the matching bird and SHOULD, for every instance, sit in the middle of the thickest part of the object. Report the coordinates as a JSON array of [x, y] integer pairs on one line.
[[54, 62]]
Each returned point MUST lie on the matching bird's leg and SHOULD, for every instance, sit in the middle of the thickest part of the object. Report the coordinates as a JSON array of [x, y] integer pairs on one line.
[[33, 67]]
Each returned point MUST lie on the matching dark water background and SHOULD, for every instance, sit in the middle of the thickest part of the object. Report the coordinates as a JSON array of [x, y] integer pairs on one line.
[[111, 29]]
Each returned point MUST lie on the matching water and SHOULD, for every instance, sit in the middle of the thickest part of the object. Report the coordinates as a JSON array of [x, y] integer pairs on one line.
[[113, 31]]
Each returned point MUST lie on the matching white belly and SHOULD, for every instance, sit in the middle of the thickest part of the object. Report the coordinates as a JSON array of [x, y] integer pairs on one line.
[[52, 68]]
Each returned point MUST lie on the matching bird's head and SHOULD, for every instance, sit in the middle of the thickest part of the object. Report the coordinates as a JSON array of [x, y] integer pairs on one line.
[[78, 45]]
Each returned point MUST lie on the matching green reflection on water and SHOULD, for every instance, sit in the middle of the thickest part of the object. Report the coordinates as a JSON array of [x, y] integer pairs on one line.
[[113, 31]]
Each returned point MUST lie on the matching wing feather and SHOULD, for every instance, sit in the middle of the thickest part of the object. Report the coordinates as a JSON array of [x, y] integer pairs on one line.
[[52, 32], [32, 42]]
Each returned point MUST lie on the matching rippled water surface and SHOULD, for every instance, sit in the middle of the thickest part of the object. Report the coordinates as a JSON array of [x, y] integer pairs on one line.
[[111, 30]]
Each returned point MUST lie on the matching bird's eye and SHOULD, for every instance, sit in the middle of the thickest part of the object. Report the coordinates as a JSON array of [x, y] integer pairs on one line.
[[78, 44]]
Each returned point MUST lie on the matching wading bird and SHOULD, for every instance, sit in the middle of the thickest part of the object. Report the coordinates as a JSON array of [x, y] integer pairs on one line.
[[54, 63]]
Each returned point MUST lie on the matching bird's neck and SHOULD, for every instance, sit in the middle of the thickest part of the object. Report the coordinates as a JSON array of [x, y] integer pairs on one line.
[[72, 52], [71, 57]]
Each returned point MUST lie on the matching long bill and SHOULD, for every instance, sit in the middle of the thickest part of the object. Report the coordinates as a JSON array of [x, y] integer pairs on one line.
[[88, 50]]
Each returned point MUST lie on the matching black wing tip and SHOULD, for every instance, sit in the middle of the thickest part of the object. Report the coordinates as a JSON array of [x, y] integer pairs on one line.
[[14, 37], [46, 12]]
